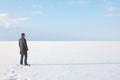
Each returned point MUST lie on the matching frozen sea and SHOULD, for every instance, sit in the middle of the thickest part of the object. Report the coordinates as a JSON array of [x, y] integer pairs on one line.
[[61, 60]]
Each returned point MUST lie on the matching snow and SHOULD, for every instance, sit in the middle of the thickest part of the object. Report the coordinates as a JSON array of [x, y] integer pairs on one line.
[[61, 60]]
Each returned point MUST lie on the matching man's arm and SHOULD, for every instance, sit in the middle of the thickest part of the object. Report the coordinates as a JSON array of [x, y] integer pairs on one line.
[[19, 43], [25, 44]]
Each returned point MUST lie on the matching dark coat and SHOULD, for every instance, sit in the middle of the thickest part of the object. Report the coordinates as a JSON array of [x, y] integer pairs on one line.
[[23, 45]]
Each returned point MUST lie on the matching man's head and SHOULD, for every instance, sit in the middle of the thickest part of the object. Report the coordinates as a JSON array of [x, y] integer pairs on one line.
[[22, 34]]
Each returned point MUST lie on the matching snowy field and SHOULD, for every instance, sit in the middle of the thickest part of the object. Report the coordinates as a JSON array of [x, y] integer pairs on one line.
[[61, 60]]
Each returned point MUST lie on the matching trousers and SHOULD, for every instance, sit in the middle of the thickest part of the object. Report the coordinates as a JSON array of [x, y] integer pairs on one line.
[[24, 58]]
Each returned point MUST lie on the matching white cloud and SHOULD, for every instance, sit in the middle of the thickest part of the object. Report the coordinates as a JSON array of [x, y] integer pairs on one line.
[[3, 14], [8, 20], [37, 9], [111, 8], [111, 11], [37, 12], [77, 2], [110, 14], [37, 6]]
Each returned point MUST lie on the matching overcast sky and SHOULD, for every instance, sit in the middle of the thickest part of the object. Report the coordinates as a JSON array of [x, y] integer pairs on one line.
[[60, 20]]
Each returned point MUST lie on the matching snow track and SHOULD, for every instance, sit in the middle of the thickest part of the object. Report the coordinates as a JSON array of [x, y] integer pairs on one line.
[[61, 72], [15, 72]]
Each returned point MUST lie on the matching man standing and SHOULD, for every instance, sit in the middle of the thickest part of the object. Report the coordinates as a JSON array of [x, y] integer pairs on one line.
[[23, 49]]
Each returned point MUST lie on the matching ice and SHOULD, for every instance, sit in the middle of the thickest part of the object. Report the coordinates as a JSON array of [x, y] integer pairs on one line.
[[64, 72], [61, 60]]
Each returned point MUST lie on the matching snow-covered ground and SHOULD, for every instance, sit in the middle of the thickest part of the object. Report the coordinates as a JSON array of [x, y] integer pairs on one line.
[[61, 60]]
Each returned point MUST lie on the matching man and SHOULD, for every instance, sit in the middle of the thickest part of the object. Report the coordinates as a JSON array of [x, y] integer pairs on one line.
[[23, 49]]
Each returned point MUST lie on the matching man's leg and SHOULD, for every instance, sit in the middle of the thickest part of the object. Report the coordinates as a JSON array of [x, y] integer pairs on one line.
[[25, 60], [21, 59]]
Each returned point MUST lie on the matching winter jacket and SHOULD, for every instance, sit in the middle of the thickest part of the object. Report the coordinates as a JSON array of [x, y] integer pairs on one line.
[[23, 45]]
